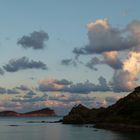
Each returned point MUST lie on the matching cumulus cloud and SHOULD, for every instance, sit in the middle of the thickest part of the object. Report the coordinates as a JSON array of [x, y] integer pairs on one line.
[[132, 63], [93, 62], [22, 87], [118, 48], [125, 79], [68, 62], [104, 38], [2, 90], [134, 28], [63, 82], [4, 105], [1, 71], [23, 63], [49, 85], [111, 100], [30, 94], [111, 58], [12, 91], [36, 40], [70, 97], [8, 91], [32, 78], [60, 102], [86, 87], [30, 98]]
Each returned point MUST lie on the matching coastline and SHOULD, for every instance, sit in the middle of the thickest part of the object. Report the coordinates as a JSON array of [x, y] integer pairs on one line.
[[118, 127], [124, 115]]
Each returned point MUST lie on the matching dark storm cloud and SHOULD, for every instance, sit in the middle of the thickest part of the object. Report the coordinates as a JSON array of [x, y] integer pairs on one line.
[[36, 40], [23, 63]]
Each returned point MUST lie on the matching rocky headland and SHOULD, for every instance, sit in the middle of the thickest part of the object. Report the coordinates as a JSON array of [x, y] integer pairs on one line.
[[124, 115]]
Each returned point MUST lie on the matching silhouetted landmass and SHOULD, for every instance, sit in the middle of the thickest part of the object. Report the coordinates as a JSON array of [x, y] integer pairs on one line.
[[123, 115], [42, 112]]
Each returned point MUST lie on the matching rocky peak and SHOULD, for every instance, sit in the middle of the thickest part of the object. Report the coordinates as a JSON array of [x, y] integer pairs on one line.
[[137, 89], [77, 115], [80, 108], [135, 93]]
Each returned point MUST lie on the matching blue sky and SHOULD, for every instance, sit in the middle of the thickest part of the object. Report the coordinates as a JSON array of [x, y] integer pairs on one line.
[[65, 22]]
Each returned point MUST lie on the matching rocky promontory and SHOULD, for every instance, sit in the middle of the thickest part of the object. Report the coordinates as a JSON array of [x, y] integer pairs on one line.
[[124, 114]]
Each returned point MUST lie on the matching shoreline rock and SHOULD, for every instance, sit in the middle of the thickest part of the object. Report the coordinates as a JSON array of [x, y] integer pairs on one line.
[[118, 127]]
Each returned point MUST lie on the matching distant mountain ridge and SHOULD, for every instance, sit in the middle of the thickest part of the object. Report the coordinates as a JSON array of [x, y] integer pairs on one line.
[[41, 112], [124, 114]]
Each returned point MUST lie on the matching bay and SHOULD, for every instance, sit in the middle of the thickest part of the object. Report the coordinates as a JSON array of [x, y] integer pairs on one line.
[[36, 128]]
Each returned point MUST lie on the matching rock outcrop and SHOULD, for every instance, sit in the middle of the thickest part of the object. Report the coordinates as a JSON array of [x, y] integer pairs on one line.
[[77, 115]]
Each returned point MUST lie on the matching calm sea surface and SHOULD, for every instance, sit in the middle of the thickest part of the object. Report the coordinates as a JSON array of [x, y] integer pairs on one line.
[[14, 128]]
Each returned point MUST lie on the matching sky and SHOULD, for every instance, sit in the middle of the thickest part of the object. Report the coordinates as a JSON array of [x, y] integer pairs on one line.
[[62, 53]]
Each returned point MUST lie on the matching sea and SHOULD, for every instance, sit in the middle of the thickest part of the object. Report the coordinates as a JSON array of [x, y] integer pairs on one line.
[[40, 128]]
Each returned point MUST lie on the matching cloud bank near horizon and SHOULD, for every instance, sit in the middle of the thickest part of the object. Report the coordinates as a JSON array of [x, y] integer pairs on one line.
[[61, 102], [68, 86]]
